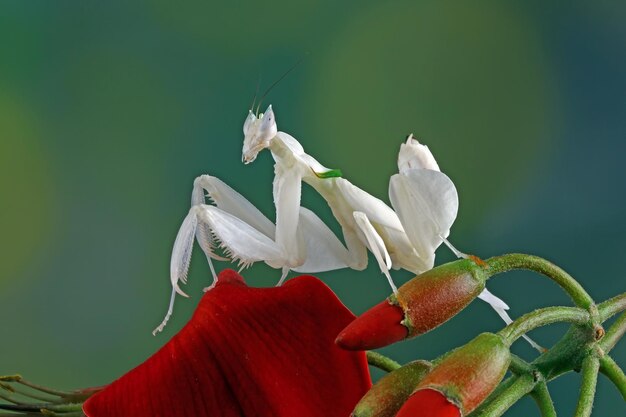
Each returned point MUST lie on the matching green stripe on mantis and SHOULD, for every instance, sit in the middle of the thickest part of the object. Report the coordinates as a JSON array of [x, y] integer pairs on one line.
[[333, 173]]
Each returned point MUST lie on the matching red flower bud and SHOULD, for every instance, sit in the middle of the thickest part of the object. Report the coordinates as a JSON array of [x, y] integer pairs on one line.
[[429, 403], [465, 376], [386, 397], [363, 333], [423, 303]]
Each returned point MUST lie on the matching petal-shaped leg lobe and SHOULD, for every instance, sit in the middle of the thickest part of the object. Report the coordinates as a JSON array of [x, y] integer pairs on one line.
[[427, 204], [324, 252]]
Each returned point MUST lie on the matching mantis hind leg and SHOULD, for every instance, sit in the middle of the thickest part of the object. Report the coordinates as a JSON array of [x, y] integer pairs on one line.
[[283, 277], [170, 310]]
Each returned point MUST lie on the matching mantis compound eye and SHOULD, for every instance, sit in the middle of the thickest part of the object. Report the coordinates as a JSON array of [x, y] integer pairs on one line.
[[247, 125], [268, 123]]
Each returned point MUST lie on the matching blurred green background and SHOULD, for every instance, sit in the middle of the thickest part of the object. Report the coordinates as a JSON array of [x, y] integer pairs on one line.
[[109, 110]]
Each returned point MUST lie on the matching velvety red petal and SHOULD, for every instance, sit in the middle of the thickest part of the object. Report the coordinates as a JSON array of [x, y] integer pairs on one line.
[[247, 352], [428, 403]]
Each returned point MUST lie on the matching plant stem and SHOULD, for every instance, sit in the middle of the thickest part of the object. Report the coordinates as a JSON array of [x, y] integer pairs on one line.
[[47, 413], [381, 361], [27, 394], [503, 263], [542, 397], [519, 366], [520, 386], [542, 317], [614, 334], [35, 408], [18, 379], [612, 306], [591, 365], [615, 374]]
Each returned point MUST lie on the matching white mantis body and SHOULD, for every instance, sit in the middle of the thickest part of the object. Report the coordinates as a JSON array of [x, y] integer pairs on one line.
[[425, 200]]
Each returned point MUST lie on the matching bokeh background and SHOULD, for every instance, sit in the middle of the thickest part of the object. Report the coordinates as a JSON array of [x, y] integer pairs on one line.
[[109, 110]]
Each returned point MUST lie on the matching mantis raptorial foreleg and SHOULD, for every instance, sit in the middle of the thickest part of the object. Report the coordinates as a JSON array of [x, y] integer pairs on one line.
[[239, 240]]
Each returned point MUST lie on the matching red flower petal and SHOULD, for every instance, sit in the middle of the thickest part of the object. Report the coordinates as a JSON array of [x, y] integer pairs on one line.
[[428, 403], [247, 352]]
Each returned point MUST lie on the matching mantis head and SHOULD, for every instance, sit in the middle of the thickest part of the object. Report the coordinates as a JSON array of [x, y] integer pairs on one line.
[[258, 132]]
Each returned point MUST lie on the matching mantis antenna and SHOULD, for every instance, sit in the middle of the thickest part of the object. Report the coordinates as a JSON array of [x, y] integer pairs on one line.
[[294, 66], [256, 92]]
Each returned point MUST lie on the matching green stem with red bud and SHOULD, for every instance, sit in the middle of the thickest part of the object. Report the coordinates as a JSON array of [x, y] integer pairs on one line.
[[583, 347], [513, 261]]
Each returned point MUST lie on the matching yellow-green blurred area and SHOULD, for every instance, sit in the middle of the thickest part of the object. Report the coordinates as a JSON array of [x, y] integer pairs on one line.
[[109, 110]]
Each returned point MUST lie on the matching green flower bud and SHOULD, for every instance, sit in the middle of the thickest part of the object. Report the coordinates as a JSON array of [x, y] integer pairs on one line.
[[437, 295], [467, 375], [386, 397]]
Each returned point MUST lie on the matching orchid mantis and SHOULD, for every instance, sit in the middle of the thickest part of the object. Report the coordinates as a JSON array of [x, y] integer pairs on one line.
[[425, 202]]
